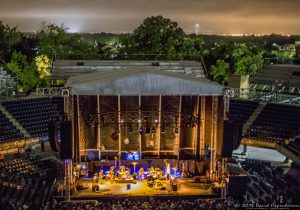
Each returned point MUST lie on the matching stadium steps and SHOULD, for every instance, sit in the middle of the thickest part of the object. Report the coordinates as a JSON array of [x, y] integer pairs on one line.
[[14, 122], [253, 116], [7, 82], [289, 152]]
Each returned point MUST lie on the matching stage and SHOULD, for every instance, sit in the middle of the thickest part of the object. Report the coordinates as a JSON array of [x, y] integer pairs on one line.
[[164, 123], [187, 186]]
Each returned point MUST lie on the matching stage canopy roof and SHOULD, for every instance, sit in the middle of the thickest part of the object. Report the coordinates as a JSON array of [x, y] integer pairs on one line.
[[64, 69], [141, 81]]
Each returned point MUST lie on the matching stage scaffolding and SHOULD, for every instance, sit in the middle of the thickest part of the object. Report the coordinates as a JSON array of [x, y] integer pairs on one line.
[[153, 126], [147, 111]]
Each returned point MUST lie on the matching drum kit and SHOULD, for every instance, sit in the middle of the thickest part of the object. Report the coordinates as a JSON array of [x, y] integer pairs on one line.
[[154, 173], [124, 173]]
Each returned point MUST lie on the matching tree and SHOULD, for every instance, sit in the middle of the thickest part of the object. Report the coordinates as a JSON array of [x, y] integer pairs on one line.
[[235, 58], [159, 36], [9, 39], [220, 72], [245, 59], [52, 39], [297, 55], [43, 66], [55, 40], [25, 72]]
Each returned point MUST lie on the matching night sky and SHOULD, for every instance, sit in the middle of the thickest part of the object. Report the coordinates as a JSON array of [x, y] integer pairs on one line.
[[213, 16]]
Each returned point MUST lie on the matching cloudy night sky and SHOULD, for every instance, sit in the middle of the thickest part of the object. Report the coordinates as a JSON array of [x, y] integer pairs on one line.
[[213, 16]]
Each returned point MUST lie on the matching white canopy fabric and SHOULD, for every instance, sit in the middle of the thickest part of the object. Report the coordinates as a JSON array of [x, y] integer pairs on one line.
[[64, 69], [141, 81]]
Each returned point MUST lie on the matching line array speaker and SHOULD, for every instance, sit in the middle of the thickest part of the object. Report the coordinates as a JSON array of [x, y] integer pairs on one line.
[[66, 140], [52, 134]]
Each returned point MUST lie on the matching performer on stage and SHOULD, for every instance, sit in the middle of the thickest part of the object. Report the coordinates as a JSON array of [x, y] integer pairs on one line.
[[112, 174], [95, 178], [140, 174], [101, 177]]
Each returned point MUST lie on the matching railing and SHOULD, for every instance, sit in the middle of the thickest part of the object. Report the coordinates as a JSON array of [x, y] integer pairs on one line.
[[293, 61], [52, 91], [265, 94], [136, 56]]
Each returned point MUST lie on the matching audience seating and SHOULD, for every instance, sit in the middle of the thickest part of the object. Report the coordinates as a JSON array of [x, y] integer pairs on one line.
[[8, 131], [241, 110], [34, 114], [276, 123], [152, 203], [293, 145], [58, 103], [24, 184], [269, 184]]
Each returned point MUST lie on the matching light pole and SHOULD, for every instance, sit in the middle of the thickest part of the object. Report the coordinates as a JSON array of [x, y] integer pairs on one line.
[[175, 170], [134, 164]]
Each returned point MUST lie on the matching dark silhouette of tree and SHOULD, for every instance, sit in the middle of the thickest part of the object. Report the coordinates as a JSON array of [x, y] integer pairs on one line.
[[159, 37]]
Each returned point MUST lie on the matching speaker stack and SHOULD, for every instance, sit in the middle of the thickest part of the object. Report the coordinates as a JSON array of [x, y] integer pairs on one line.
[[66, 140], [52, 134]]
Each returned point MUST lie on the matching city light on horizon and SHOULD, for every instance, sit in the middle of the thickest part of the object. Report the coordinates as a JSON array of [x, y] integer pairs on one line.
[[199, 17]]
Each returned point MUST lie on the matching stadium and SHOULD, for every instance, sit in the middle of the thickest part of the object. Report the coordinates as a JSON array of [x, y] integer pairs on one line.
[[133, 133]]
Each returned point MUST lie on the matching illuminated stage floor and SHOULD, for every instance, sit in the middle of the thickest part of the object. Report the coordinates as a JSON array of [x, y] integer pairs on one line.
[[187, 187]]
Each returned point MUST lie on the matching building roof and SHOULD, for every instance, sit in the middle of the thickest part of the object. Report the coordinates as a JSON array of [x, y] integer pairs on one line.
[[147, 80], [288, 75]]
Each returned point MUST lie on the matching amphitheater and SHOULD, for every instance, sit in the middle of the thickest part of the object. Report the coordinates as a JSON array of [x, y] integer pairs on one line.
[[142, 134]]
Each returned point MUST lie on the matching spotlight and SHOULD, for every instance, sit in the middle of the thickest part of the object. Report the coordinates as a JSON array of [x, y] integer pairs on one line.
[[176, 130], [147, 129], [102, 148], [102, 120], [141, 130], [129, 129], [126, 141], [163, 129], [115, 135], [153, 129], [92, 124]]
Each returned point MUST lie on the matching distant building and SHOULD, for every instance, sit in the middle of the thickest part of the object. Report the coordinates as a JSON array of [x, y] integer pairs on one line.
[[291, 48]]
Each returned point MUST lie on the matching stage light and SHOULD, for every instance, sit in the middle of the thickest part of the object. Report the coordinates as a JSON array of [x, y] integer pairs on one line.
[[153, 129], [163, 129], [134, 164], [175, 170], [141, 130], [176, 130], [129, 129], [168, 169], [102, 148], [147, 129], [83, 167], [102, 120], [126, 141], [115, 134]]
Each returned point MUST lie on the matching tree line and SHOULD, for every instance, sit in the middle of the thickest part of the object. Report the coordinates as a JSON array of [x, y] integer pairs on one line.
[[28, 57]]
